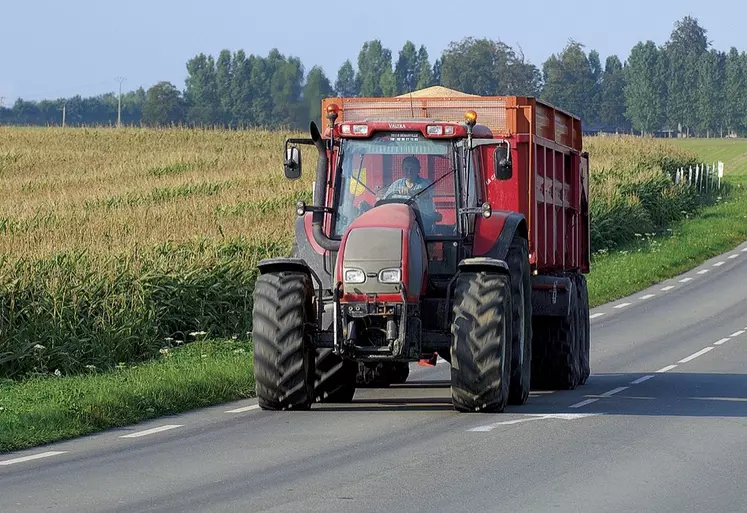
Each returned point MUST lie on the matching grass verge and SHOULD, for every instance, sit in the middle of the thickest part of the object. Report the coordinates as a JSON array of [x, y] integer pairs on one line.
[[49, 408]]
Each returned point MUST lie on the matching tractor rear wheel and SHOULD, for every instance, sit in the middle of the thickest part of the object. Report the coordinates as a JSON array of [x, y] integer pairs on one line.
[[521, 321], [556, 351], [335, 378], [481, 342], [584, 326], [283, 355]]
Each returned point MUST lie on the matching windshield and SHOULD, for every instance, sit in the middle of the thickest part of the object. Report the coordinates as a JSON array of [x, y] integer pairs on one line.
[[398, 167]]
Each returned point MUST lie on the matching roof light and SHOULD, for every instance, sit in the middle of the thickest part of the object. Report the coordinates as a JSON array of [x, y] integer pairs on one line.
[[435, 130], [449, 130], [360, 129], [470, 116], [332, 112], [346, 129]]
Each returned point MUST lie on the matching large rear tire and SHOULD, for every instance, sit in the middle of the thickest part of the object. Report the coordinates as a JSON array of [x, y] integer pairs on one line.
[[283, 356], [335, 378], [521, 321], [584, 327], [556, 351], [481, 342]]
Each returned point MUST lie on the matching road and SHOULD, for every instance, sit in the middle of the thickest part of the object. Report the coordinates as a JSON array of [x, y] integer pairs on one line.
[[661, 426]]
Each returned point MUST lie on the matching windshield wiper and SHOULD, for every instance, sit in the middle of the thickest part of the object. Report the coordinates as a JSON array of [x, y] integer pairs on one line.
[[431, 185]]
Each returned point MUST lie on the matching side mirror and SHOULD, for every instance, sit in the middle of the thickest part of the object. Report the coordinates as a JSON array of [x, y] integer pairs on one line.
[[292, 164], [502, 162]]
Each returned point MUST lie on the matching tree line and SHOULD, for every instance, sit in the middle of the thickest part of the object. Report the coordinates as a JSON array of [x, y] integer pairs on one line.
[[684, 85]]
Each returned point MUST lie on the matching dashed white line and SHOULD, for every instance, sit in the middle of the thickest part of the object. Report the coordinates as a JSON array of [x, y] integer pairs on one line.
[[642, 379], [670, 287], [695, 355], [152, 431], [613, 392], [594, 316], [722, 341], [703, 271], [733, 256], [685, 280], [623, 305], [719, 264], [744, 250], [584, 403], [666, 369], [245, 408], [647, 296], [32, 457], [737, 333]]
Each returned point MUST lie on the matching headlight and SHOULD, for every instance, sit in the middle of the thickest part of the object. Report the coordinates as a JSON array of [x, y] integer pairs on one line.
[[390, 276], [354, 276]]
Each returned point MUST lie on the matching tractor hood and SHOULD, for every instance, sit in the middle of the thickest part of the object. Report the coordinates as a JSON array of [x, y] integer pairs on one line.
[[381, 249]]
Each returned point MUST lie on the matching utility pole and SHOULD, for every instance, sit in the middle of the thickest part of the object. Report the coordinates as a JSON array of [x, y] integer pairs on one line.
[[64, 105], [119, 102]]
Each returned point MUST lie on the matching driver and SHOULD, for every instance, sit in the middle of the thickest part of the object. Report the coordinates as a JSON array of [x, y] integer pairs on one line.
[[411, 184]]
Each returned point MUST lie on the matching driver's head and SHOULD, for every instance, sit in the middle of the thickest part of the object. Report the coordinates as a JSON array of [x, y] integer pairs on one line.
[[411, 167]]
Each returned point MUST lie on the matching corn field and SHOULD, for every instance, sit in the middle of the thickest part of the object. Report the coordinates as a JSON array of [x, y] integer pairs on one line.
[[115, 244]]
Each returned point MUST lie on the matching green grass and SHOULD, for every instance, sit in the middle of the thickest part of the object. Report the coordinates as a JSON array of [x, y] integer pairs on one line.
[[50, 408]]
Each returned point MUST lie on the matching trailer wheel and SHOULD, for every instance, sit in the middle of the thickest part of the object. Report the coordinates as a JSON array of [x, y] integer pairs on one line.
[[335, 378], [556, 351], [481, 342], [584, 327], [283, 356], [521, 321]]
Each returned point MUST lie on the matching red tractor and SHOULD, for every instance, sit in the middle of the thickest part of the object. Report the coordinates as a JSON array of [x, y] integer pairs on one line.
[[431, 234]]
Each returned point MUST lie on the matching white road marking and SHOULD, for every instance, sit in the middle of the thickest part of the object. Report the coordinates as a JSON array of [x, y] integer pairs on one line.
[[744, 250], [530, 417], [594, 316], [719, 264], [670, 287], [703, 271], [641, 380], [245, 408], [623, 305], [647, 296], [32, 457], [152, 431], [584, 403], [737, 333], [613, 392], [722, 341], [666, 369], [695, 355], [685, 280], [733, 256]]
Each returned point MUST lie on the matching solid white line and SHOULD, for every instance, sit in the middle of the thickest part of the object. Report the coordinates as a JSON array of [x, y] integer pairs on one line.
[[668, 288], [737, 333], [641, 380], [647, 296], [722, 341], [734, 256], [623, 305], [151, 431], [666, 369], [32, 457], [613, 392], [594, 316], [583, 403], [245, 408], [490, 427], [744, 250], [685, 280], [695, 355], [719, 264], [703, 271]]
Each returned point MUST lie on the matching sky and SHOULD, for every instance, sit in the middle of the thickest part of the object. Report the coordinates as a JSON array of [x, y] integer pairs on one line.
[[60, 48]]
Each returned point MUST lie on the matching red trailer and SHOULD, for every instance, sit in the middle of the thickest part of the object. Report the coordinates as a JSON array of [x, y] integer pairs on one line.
[[448, 224]]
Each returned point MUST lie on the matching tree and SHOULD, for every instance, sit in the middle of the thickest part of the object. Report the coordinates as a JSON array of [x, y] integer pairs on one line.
[[163, 105], [346, 85], [736, 97], [570, 81], [201, 91], [375, 74], [711, 78], [644, 91], [611, 106], [406, 70], [424, 71], [241, 91], [223, 79], [317, 87]]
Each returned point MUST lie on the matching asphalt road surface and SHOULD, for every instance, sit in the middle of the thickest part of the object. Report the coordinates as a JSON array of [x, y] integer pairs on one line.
[[661, 425]]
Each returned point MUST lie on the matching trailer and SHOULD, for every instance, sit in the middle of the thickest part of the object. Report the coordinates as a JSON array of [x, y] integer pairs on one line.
[[444, 225]]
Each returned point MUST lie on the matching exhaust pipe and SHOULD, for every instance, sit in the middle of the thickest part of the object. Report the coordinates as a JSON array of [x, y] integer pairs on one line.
[[319, 190]]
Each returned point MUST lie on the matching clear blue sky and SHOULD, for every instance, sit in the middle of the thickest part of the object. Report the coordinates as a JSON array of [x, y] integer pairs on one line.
[[55, 48]]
